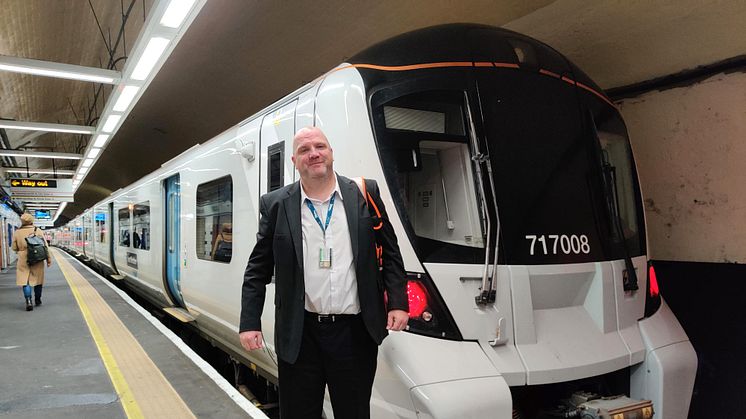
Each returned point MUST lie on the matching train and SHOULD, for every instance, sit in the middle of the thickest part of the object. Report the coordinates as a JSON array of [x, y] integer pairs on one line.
[[509, 178]]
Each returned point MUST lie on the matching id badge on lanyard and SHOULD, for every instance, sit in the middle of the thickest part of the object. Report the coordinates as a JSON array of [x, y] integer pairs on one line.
[[325, 257], [325, 253]]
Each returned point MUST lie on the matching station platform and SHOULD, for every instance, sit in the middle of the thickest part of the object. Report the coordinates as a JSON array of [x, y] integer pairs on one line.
[[89, 351]]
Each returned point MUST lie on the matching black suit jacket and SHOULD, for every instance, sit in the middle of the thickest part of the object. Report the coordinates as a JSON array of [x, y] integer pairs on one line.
[[279, 248]]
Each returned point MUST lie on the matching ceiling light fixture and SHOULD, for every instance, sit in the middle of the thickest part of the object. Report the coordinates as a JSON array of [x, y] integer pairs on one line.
[[101, 140], [59, 211], [87, 162], [43, 126], [83, 170], [176, 12], [93, 153], [40, 155], [125, 98], [149, 57], [58, 70], [41, 171], [111, 123]]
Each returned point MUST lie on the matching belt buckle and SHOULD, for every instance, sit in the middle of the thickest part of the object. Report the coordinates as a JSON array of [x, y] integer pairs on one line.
[[324, 318]]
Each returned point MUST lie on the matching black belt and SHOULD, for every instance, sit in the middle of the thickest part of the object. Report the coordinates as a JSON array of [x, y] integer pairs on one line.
[[330, 318]]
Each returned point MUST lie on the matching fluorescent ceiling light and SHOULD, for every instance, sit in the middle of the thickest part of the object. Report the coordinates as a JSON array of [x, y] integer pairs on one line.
[[41, 171], [176, 12], [101, 140], [149, 57], [58, 70], [43, 126], [87, 162], [93, 153], [111, 123], [40, 155], [125, 98], [59, 211], [83, 170]]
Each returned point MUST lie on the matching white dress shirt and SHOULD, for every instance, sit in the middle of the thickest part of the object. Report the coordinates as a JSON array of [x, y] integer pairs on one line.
[[328, 290]]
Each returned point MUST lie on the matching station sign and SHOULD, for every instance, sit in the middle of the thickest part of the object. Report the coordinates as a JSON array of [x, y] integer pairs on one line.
[[42, 189], [33, 183]]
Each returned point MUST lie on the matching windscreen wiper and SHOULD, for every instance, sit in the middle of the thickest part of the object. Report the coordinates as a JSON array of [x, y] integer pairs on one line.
[[487, 294], [611, 195]]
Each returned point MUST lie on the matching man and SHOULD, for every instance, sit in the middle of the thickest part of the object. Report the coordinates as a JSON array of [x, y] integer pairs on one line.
[[318, 237]]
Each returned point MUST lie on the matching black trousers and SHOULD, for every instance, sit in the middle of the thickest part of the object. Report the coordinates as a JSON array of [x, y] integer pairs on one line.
[[340, 354]]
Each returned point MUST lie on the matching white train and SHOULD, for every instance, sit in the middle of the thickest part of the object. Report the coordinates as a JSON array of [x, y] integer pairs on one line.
[[510, 181]]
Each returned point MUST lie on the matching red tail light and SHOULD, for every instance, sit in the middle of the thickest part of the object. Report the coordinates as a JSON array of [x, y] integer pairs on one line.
[[428, 313], [417, 299], [653, 287]]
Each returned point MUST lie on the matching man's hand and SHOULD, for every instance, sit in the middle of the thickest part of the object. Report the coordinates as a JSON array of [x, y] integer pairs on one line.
[[397, 320], [251, 340], [49, 263]]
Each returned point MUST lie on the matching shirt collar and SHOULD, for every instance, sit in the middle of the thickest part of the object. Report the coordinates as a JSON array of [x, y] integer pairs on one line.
[[338, 191]]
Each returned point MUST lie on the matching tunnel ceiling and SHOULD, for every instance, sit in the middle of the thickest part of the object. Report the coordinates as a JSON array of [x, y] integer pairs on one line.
[[239, 56]]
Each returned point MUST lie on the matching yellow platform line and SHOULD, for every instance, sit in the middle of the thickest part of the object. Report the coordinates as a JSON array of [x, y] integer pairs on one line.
[[142, 389]]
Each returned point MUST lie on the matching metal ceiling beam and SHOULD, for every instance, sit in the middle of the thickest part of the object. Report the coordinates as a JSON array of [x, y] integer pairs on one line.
[[44, 126], [40, 154], [58, 70]]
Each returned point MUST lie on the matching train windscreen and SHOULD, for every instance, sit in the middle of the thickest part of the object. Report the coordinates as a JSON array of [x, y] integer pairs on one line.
[[547, 150]]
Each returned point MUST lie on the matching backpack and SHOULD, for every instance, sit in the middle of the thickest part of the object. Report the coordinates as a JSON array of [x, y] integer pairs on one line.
[[36, 249], [223, 251]]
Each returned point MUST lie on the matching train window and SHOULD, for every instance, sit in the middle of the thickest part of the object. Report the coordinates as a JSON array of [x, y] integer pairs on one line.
[[100, 227], [440, 197], [123, 216], [141, 226], [215, 220], [617, 154], [546, 170], [425, 152], [275, 172]]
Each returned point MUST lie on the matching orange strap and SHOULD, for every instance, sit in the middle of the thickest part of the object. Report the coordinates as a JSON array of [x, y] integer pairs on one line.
[[367, 196]]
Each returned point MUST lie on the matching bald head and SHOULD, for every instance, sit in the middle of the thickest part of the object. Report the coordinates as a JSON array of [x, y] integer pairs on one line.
[[308, 133], [312, 154]]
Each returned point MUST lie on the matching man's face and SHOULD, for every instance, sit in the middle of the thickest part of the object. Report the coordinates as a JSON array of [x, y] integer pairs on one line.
[[313, 157]]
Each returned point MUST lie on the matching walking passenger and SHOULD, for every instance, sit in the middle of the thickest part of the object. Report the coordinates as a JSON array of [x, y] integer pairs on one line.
[[330, 314], [30, 272]]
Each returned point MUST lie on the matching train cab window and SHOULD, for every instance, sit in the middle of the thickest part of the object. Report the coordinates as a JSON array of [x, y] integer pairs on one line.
[[617, 156], [141, 226], [275, 172], [123, 216], [425, 152], [215, 220], [99, 221]]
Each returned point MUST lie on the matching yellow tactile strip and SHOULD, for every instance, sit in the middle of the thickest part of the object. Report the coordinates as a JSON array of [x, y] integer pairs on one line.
[[142, 388]]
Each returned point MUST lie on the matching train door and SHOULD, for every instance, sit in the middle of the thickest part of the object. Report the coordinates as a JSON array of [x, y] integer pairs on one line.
[[276, 142], [172, 188], [4, 254], [110, 221]]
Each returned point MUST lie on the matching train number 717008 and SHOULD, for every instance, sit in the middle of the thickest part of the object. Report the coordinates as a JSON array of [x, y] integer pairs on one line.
[[552, 244]]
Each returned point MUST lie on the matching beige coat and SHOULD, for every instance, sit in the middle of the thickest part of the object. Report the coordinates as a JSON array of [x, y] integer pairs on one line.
[[33, 274]]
